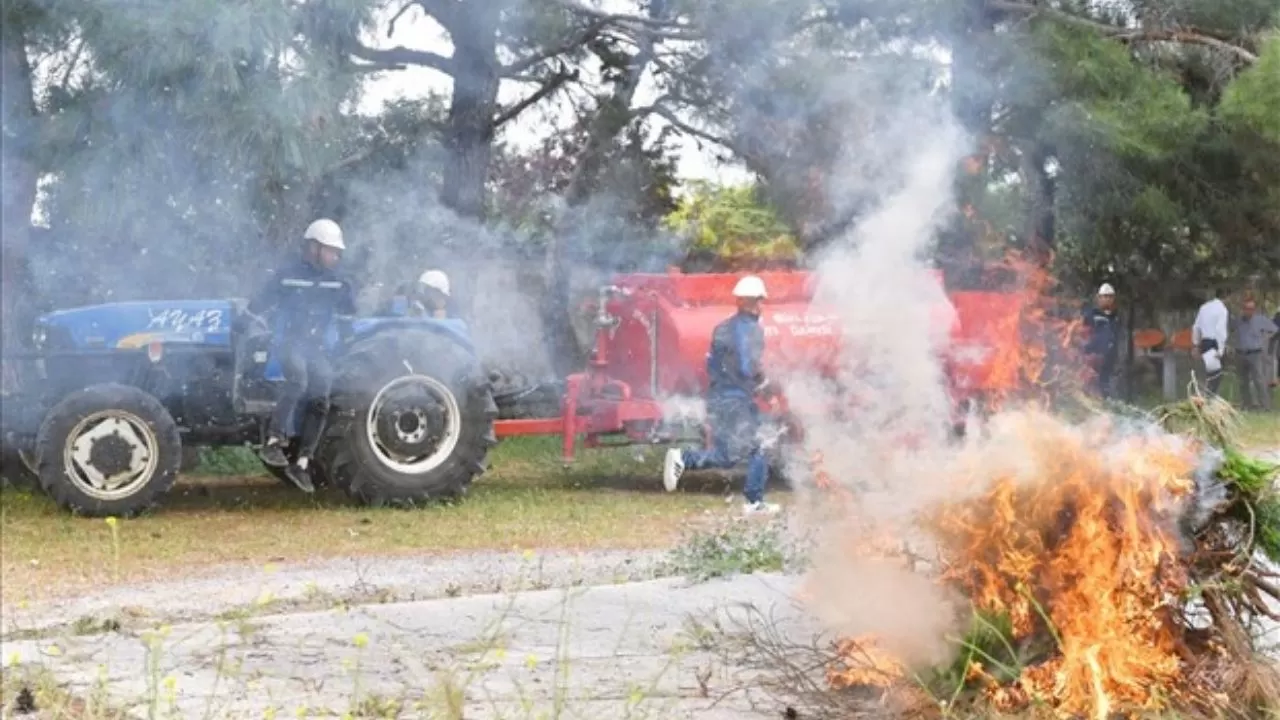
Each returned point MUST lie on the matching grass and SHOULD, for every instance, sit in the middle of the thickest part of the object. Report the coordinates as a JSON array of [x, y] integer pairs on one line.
[[1260, 430], [740, 548], [608, 499]]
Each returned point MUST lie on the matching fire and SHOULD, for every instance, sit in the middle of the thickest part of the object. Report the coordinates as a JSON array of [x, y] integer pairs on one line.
[[1063, 538], [1048, 361], [1084, 550], [1074, 544], [864, 664]]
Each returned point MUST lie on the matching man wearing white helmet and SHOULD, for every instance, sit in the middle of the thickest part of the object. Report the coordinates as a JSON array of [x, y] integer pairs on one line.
[[733, 369], [303, 299], [1103, 347], [434, 291]]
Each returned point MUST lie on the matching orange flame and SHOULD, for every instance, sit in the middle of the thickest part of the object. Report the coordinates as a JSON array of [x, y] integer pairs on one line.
[[1085, 551], [1075, 543]]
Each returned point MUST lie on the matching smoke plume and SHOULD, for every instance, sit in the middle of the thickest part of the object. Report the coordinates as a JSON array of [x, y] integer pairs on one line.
[[880, 425]]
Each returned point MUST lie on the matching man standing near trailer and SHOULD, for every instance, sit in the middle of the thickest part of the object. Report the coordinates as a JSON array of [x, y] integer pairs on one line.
[[735, 379]]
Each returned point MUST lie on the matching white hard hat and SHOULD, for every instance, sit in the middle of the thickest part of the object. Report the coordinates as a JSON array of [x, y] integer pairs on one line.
[[435, 279], [326, 232], [1106, 289], [750, 287]]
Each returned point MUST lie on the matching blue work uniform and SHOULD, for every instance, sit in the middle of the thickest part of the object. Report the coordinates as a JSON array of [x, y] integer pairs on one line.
[[733, 368], [1103, 347], [303, 301]]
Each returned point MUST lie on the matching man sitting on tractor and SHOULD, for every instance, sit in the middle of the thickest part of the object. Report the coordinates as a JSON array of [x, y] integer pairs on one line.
[[433, 293], [428, 296], [735, 378], [305, 297]]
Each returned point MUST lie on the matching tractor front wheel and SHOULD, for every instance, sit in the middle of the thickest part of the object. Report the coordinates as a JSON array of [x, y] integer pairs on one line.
[[108, 450]]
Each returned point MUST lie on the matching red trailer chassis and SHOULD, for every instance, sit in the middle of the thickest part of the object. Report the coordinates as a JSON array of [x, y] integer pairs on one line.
[[652, 333]]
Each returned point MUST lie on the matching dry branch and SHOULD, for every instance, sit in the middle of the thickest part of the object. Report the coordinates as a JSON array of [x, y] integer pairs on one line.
[[1185, 36]]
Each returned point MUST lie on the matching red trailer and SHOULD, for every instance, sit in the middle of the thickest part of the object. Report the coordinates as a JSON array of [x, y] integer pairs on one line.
[[653, 332]]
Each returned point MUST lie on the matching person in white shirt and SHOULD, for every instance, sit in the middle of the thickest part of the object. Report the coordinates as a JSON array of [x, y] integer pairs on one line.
[[1210, 337]]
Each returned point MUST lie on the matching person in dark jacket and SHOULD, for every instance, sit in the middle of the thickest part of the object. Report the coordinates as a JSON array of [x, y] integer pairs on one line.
[[1275, 352], [303, 300], [1103, 347], [735, 379]]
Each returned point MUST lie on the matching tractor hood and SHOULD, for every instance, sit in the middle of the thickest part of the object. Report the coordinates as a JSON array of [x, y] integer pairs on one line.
[[128, 325]]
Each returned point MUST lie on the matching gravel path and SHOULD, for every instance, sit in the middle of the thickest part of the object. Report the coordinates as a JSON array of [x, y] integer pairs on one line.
[[322, 585]]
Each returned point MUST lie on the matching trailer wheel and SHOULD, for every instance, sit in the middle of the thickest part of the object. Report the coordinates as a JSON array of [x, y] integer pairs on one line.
[[412, 422], [108, 450]]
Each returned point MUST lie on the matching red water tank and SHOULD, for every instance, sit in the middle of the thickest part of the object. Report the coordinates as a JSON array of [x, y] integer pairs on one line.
[[665, 322]]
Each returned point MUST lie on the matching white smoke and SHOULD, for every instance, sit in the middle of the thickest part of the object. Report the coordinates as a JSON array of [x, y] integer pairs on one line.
[[889, 388], [683, 410]]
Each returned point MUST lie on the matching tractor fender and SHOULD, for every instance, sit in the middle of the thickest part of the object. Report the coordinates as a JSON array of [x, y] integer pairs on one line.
[[451, 328]]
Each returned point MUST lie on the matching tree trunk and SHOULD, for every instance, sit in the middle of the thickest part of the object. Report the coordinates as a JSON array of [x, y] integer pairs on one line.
[[1169, 358], [19, 175], [1040, 195], [972, 101], [1129, 359], [472, 110], [611, 119]]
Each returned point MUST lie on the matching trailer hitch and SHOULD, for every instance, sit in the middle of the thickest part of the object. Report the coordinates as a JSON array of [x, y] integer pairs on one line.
[[605, 319]]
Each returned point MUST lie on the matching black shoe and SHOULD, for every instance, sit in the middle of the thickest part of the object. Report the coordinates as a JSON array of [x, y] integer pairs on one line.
[[273, 455], [299, 477]]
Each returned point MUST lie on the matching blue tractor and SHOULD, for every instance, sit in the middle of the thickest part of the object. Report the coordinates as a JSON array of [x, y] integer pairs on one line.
[[99, 410]]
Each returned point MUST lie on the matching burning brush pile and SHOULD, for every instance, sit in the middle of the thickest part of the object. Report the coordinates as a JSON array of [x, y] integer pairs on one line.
[[1105, 569]]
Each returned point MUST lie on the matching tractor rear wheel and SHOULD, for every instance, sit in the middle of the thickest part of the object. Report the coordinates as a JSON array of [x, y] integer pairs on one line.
[[108, 450], [412, 420]]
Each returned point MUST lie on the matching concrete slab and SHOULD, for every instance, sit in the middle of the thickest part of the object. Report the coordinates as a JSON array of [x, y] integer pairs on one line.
[[598, 652]]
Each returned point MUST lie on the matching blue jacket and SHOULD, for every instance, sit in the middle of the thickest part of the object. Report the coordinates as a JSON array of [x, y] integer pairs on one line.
[[304, 299], [1104, 334], [733, 364]]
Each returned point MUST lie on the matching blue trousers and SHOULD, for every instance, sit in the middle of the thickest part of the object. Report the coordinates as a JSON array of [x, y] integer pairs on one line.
[[734, 422], [308, 377]]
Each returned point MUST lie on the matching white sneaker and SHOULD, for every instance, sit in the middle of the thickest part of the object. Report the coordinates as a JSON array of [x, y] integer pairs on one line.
[[761, 508], [672, 469]]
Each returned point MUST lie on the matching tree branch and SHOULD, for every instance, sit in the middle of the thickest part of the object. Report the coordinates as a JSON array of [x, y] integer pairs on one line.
[[552, 84], [444, 12], [574, 41], [399, 56], [621, 18], [1186, 36], [391, 26], [666, 114]]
